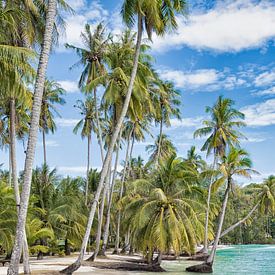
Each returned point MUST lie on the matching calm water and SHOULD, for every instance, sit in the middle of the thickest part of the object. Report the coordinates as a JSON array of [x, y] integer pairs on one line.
[[239, 259]]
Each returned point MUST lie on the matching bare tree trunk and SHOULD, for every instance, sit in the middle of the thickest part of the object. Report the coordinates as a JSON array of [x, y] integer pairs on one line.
[[15, 181], [99, 226], [122, 190], [233, 226], [159, 143], [108, 157], [33, 133], [44, 146], [99, 129], [205, 240], [211, 257], [88, 169]]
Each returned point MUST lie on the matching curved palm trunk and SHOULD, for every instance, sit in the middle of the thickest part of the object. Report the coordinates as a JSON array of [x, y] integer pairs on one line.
[[122, 190], [99, 129], [15, 181], [233, 226], [33, 133], [88, 169], [44, 146], [205, 240], [108, 157], [108, 215], [160, 140], [211, 257]]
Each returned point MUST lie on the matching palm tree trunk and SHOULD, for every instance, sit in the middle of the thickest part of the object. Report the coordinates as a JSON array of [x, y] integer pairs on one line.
[[108, 215], [44, 146], [33, 133], [205, 240], [160, 140], [15, 181], [108, 156], [10, 179], [99, 225], [99, 129], [122, 190], [211, 257], [233, 226], [88, 169]]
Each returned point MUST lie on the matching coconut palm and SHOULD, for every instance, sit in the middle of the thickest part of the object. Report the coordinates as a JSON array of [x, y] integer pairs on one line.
[[92, 58], [87, 125], [156, 16], [222, 133], [235, 163], [167, 149], [34, 126], [52, 95], [162, 213]]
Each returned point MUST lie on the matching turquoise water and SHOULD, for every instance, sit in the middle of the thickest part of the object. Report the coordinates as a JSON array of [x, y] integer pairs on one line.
[[239, 259]]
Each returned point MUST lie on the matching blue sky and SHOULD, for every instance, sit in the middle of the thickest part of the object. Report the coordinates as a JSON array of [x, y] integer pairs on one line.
[[224, 48]]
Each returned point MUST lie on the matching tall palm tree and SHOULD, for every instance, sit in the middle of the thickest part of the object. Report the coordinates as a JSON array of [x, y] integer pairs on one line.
[[168, 104], [34, 126], [222, 133], [156, 16], [87, 126], [52, 95], [236, 162], [92, 58]]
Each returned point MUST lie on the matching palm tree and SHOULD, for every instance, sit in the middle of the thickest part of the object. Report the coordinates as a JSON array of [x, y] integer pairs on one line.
[[167, 149], [34, 126], [265, 202], [157, 16], [236, 162], [168, 103], [87, 125], [162, 213], [222, 132], [92, 58], [52, 95]]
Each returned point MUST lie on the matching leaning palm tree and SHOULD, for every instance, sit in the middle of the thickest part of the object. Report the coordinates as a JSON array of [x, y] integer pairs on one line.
[[34, 126], [155, 16], [222, 133], [87, 126], [52, 95], [235, 163]]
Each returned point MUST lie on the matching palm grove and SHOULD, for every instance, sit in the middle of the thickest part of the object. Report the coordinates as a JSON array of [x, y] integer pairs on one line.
[[166, 205]]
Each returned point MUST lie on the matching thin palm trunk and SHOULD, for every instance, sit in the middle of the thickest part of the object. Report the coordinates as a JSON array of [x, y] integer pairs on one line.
[[99, 129], [160, 140], [238, 223], [108, 215], [108, 156], [10, 177], [88, 168], [99, 225], [15, 181], [205, 240], [211, 257], [44, 146], [122, 190], [33, 133]]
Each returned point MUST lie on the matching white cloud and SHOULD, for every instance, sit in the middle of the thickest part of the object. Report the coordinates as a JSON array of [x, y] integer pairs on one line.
[[254, 139], [269, 91], [232, 27], [206, 80], [69, 86], [50, 143], [265, 78], [260, 114], [72, 169], [186, 122], [76, 4], [66, 122]]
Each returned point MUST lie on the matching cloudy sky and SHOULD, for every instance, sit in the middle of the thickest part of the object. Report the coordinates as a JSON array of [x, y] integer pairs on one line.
[[220, 48]]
